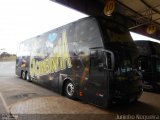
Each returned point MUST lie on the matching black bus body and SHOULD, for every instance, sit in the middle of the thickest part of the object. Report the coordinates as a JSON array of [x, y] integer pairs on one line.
[[92, 59], [149, 63]]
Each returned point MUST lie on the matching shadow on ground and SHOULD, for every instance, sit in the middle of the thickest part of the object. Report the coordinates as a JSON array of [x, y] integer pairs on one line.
[[135, 108]]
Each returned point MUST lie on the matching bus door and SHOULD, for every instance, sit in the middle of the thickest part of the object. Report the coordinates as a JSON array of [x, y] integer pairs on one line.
[[97, 87]]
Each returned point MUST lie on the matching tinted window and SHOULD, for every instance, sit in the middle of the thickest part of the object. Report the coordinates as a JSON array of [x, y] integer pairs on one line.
[[88, 34]]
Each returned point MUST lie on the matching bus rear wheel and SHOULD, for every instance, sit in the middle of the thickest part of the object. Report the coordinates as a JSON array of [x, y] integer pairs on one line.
[[27, 76], [23, 75], [70, 90]]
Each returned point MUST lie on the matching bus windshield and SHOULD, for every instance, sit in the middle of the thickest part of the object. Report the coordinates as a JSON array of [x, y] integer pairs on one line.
[[117, 38]]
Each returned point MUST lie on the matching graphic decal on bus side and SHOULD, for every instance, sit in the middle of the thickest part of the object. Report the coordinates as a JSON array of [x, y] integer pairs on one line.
[[59, 61]]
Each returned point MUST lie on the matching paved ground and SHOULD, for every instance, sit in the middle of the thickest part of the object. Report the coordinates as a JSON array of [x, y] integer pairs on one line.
[[7, 69], [28, 101]]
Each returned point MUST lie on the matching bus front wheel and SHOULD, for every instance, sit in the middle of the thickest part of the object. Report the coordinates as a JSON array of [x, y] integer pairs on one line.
[[70, 90]]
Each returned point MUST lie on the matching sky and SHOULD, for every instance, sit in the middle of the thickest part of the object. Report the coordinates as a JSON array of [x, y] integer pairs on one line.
[[24, 19], [137, 36]]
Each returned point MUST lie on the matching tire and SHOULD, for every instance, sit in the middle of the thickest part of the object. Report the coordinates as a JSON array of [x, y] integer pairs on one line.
[[156, 87], [27, 76], [23, 75], [70, 90], [134, 100], [108, 104]]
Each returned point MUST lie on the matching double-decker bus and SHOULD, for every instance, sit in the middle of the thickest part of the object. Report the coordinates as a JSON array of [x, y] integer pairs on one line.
[[92, 59], [149, 63]]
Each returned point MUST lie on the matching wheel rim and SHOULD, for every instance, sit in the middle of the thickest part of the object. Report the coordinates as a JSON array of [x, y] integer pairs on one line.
[[23, 75], [27, 76], [70, 89]]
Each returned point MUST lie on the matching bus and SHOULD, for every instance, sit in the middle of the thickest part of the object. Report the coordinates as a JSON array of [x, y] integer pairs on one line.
[[91, 59], [149, 63]]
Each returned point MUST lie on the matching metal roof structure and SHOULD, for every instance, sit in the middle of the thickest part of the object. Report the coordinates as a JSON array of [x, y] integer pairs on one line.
[[139, 15], [145, 13]]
